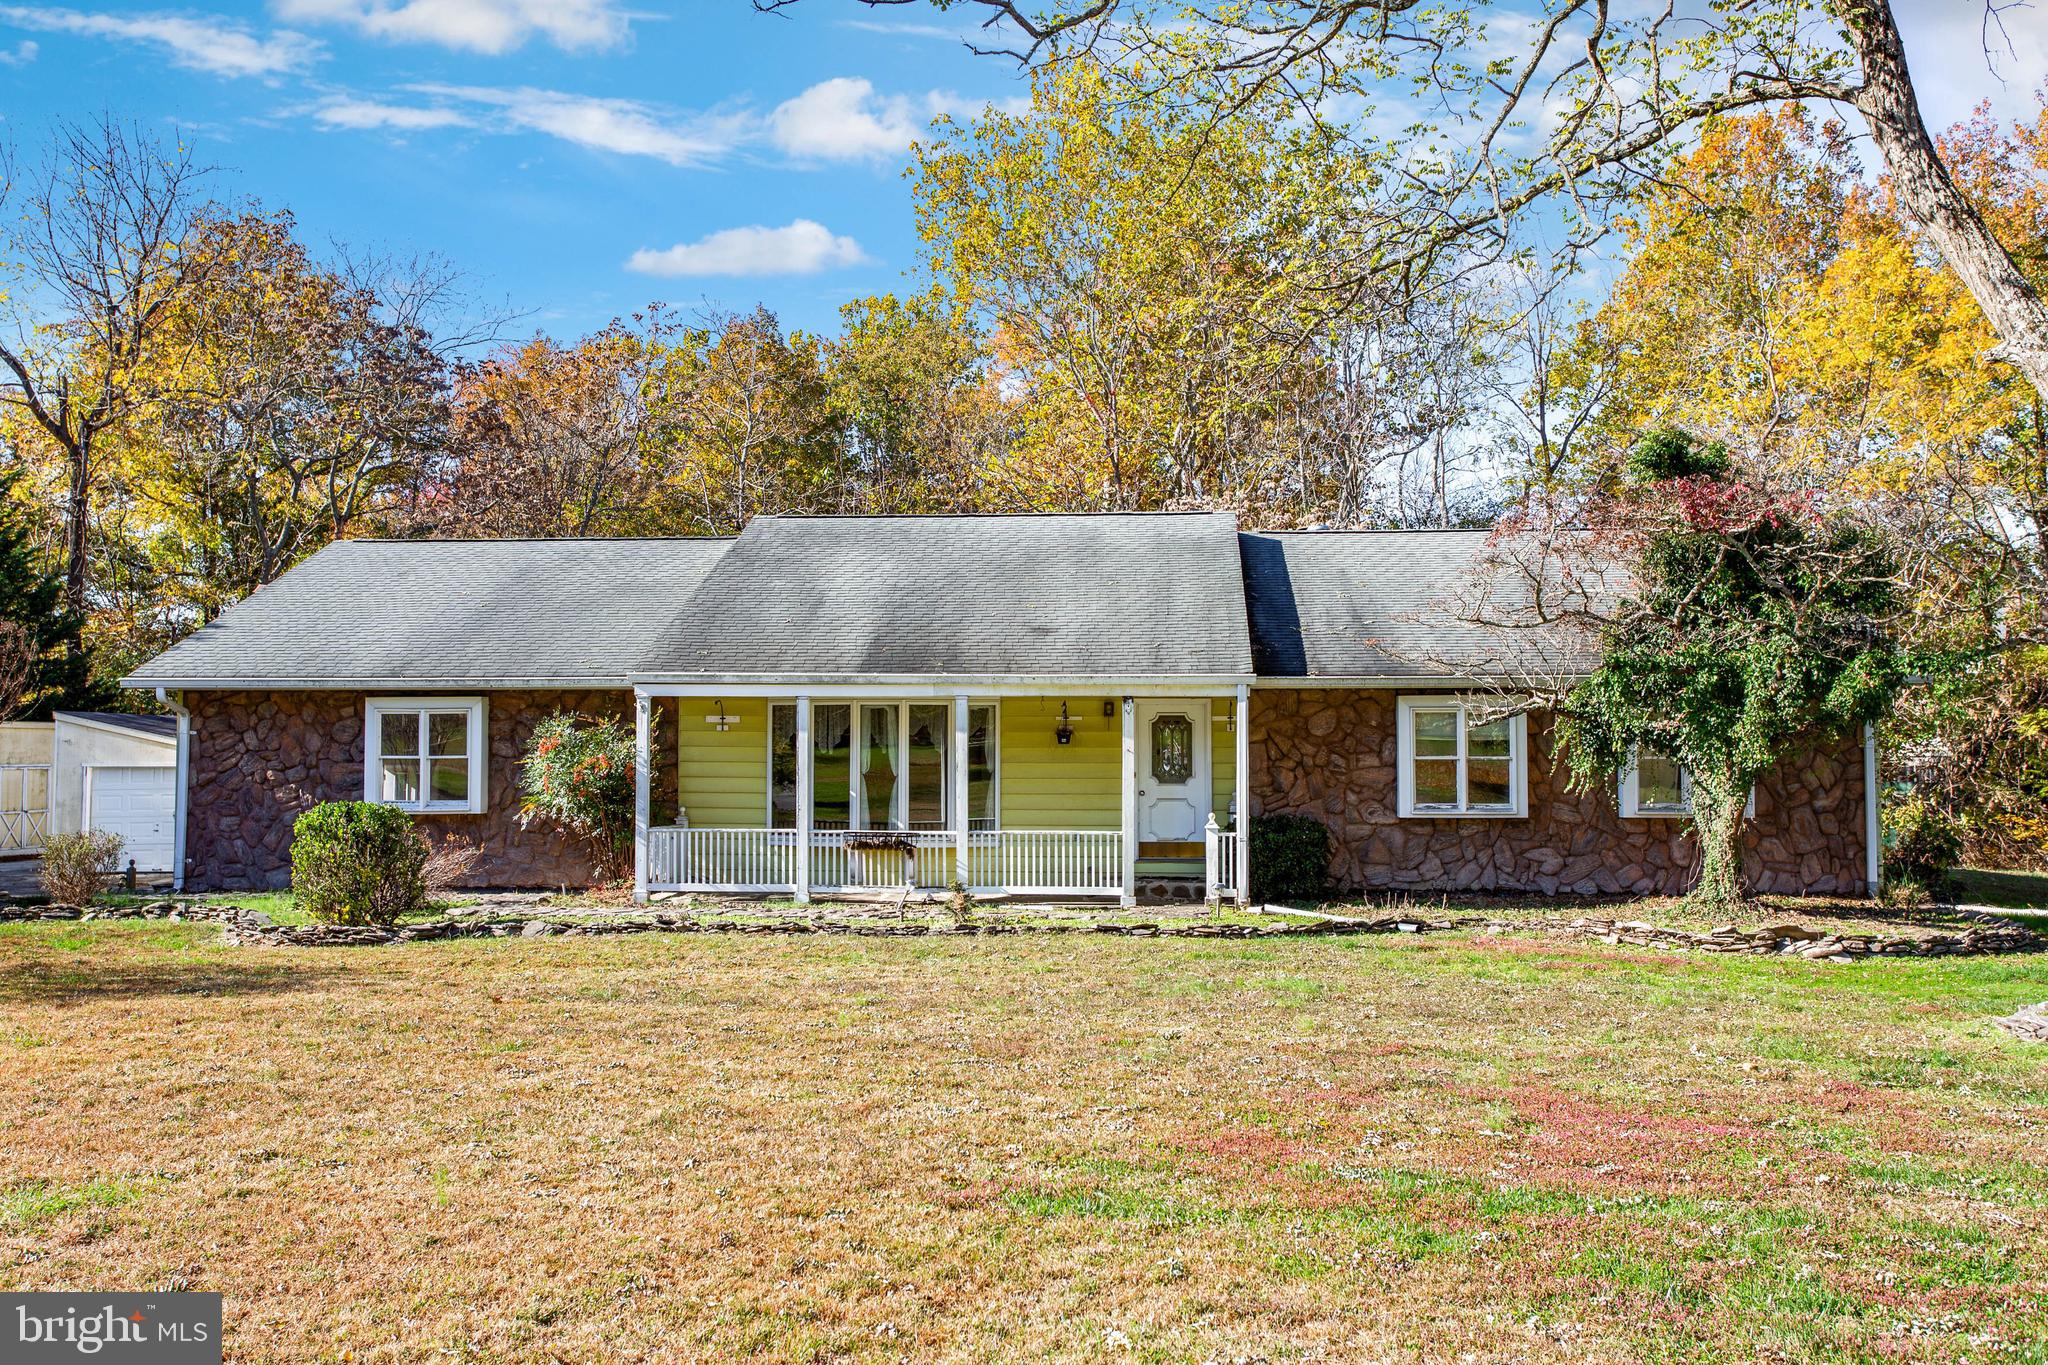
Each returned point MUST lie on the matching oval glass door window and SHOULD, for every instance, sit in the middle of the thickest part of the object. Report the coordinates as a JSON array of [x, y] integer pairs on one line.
[[1173, 748]]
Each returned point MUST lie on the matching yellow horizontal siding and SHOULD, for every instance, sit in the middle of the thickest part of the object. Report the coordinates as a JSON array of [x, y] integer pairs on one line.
[[1048, 785], [722, 778], [1222, 761]]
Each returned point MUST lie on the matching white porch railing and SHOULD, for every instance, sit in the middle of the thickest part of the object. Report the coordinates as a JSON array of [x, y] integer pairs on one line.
[[24, 807], [745, 860], [1047, 862], [875, 860], [1220, 849], [1039, 862]]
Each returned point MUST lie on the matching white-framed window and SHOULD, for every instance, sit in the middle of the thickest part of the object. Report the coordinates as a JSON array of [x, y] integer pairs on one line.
[[425, 754], [883, 765], [1457, 761], [1656, 786]]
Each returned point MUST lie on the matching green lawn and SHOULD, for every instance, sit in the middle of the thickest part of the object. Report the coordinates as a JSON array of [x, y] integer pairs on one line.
[[1073, 1147], [2014, 890]]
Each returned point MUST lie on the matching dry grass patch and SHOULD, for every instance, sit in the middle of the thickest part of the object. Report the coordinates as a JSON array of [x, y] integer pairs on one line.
[[669, 1148]]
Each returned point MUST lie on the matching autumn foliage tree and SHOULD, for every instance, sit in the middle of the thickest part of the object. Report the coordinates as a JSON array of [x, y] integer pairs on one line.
[[1775, 300], [1744, 623]]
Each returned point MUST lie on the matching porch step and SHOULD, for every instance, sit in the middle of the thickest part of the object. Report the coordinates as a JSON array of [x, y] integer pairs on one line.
[[1171, 890]]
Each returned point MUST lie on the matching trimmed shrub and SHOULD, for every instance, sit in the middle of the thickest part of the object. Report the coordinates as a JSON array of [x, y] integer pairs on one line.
[[1290, 858], [76, 866], [1922, 843], [356, 862]]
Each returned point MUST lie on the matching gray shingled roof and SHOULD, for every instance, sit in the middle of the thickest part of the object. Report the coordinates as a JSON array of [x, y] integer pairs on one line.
[[148, 727], [1136, 595], [1139, 595], [1387, 604], [443, 613]]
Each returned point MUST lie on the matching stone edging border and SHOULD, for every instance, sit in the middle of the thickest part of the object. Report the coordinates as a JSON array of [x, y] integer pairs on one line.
[[2029, 1024], [254, 928], [1791, 939]]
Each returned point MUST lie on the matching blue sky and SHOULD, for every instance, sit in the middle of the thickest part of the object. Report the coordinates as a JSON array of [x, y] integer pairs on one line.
[[580, 158]]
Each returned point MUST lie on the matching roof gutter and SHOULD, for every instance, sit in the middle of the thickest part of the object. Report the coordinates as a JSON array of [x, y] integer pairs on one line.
[[1388, 681], [933, 684], [455, 684]]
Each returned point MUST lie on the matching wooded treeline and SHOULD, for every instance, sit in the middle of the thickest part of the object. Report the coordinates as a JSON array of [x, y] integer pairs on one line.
[[1122, 304]]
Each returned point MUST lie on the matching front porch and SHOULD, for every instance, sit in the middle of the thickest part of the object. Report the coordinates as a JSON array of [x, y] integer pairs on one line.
[[1046, 793]]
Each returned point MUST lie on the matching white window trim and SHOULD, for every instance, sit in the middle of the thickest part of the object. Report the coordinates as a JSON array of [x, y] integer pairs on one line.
[[1632, 808], [901, 796], [1518, 762], [477, 712]]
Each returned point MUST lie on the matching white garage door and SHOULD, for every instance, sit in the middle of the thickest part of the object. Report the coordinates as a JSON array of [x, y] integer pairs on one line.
[[138, 805]]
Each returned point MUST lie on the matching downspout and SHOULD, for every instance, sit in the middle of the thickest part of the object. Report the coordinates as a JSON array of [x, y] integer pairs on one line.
[[179, 802], [1873, 838]]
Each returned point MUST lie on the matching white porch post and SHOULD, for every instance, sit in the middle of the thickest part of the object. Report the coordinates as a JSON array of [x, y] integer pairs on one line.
[[1130, 806], [802, 865], [959, 803], [1244, 793], [642, 760]]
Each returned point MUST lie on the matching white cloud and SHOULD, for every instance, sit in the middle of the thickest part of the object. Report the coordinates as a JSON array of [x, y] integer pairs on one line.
[[843, 119], [802, 248], [345, 112], [958, 35], [607, 125], [24, 52], [836, 120], [488, 26], [220, 46]]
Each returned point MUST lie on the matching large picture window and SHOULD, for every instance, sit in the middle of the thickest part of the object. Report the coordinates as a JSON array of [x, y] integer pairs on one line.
[[1456, 760], [894, 771], [425, 754]]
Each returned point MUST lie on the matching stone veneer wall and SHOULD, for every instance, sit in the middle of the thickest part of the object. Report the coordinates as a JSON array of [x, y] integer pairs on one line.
[[259, 759], [1332, 754]]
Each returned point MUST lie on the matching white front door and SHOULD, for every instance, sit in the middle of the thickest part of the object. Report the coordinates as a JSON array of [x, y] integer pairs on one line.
[[1173, 770], [138, 805]]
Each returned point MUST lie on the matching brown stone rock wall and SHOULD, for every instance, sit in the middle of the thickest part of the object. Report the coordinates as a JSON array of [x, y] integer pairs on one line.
[[260, 759], [1332, 754]]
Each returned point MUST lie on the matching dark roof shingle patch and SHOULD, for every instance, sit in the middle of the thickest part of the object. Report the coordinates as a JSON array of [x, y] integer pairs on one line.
[[1383, 604]]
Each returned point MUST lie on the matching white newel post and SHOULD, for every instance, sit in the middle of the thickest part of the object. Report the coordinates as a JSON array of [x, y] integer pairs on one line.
[[1244, 794], [642, 760], [802, 866], [959, 812], [1211, 866], [1130, 827]]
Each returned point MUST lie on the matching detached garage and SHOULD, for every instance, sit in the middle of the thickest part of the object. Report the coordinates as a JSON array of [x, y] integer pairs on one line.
[[118, 773]]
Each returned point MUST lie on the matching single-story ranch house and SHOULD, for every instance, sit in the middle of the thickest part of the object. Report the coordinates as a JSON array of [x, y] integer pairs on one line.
[[1052, 706]]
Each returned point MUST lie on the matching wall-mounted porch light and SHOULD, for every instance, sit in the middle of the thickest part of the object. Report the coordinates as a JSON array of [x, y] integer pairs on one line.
[[1064, 731], [720, 722]]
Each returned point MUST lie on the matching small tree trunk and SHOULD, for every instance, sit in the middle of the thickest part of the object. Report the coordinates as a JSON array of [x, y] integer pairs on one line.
[[1719, 819]]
